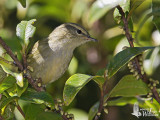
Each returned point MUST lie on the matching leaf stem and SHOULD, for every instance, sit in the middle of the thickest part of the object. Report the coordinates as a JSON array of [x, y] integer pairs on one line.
[[130, 40]]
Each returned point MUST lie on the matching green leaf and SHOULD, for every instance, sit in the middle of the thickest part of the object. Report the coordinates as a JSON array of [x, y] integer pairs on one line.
[[99, 80], [101, 7], [135, 4], [123, 57], [25, 30], [73, 66], [73, 85], [7, 113], [48, 116], [156, 13], [38, 97], [21, 90], [122, 101], [2, 74], [7, 83], [93, 110], [150, 62], [33, 110], [129, 86], [23, 3], [5, 102]]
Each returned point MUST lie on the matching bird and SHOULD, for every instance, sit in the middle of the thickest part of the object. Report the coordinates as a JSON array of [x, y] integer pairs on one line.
[[50, 57]]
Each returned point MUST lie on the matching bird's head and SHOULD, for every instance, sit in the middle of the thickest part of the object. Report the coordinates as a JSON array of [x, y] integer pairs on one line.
[[71, 34]]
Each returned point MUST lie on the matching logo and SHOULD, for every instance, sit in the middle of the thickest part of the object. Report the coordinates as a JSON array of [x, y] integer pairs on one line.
[[143, 112], [136, 110]]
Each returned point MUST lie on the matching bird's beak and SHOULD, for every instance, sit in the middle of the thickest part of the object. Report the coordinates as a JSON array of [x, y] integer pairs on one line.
[[92, 39]]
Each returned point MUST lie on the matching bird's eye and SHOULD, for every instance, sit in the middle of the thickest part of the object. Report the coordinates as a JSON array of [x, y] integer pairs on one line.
[[79, 31]]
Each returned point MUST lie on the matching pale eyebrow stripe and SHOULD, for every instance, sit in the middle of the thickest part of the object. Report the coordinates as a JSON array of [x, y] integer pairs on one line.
[[79, 27]]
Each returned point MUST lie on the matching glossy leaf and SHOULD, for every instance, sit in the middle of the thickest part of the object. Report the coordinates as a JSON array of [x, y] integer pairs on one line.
[[73, 85], [93, 110], [129, 86], [156, 13], [101, 7], [23, 3], [38, 97], [25, 30], [123, 57], [7, 83]]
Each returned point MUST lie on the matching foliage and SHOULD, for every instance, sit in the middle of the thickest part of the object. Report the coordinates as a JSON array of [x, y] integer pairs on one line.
[[95, 81]]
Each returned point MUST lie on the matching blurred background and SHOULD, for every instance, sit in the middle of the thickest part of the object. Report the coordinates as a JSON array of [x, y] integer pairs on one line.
[[91, 57]]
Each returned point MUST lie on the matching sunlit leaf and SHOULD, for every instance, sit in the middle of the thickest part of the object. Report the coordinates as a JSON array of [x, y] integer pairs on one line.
[[78, 114], [5, 102], [93, 110], [73, 66], [25, 30], [156, 13], [23, 3], [122, 101], [19, 78], [73, 85], [7, 83], [101, 7], [123, 57], [7, 112], [38, 97], [21, 90], [129, 86], [2, 74]]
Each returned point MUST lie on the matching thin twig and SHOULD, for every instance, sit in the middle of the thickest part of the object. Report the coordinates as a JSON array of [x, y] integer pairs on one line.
[[20, 110], [33, 83], [130, 40], [103, 91], [9, 51], [19, 64], [24, 61]]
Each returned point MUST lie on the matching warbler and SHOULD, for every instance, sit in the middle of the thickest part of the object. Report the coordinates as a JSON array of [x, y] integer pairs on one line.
[[50, 57]]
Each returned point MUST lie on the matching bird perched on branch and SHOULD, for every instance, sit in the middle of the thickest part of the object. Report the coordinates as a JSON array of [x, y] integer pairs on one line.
[[50, 57]]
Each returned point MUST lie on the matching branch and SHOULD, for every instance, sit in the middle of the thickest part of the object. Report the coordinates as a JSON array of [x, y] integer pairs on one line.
[[34, 84], [103, 91], [130, 40], [21, 111], [58, 109], [9, 51], [19, 65]]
